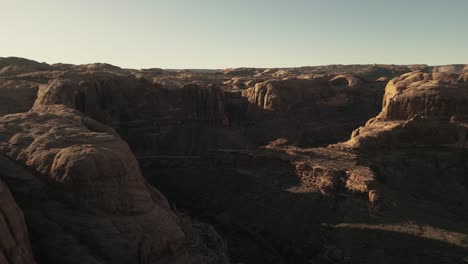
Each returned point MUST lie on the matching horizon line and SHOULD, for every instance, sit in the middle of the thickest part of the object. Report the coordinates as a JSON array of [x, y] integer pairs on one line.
[[238, 67]]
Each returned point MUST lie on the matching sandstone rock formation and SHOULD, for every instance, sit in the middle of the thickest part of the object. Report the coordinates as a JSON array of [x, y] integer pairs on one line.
[[94, 198], [152, 118], [14, 66], [284, 95], [239, 149], [419, 109], [203, 104], [434, 95], [107, 97], [419, 136]]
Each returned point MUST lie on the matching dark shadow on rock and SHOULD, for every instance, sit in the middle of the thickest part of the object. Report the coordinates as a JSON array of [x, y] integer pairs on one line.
[[311, 123], [262, 220], [365, 244]]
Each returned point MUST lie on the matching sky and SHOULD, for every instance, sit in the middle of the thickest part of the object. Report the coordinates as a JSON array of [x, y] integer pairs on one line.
[[213, 34]]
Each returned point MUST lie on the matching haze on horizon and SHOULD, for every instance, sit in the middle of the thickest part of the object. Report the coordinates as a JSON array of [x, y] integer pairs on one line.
[[220, 34]]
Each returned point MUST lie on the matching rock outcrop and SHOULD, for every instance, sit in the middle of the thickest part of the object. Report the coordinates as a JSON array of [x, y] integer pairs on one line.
[[438, 95], [146, 115], [203, 104], [419, 109], [108, 97], [282, 96], [424, 117], [90, 196], [14, 66]]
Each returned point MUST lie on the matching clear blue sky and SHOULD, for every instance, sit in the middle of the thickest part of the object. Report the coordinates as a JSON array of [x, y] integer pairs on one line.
[[234, 33]]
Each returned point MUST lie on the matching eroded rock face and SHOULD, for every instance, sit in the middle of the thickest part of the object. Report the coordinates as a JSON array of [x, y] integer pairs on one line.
[[14, 238], [203, 104], [146, 115], [284, 95], [107, 97], [90, 192], [439, 95], [419, 109]]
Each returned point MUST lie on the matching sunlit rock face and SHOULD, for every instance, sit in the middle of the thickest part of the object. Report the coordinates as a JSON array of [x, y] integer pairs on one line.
[[284, 95], [439, 95], [419, 109]]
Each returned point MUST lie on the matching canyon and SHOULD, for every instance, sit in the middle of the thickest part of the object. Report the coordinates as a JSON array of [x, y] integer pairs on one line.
[[324, 164]]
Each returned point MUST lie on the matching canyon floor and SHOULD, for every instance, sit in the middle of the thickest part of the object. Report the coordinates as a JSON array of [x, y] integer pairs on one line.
[[327, 164]]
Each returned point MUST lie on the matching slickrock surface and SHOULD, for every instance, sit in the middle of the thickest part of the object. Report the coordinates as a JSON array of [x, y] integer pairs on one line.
[[14, 238], [88, 195]]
